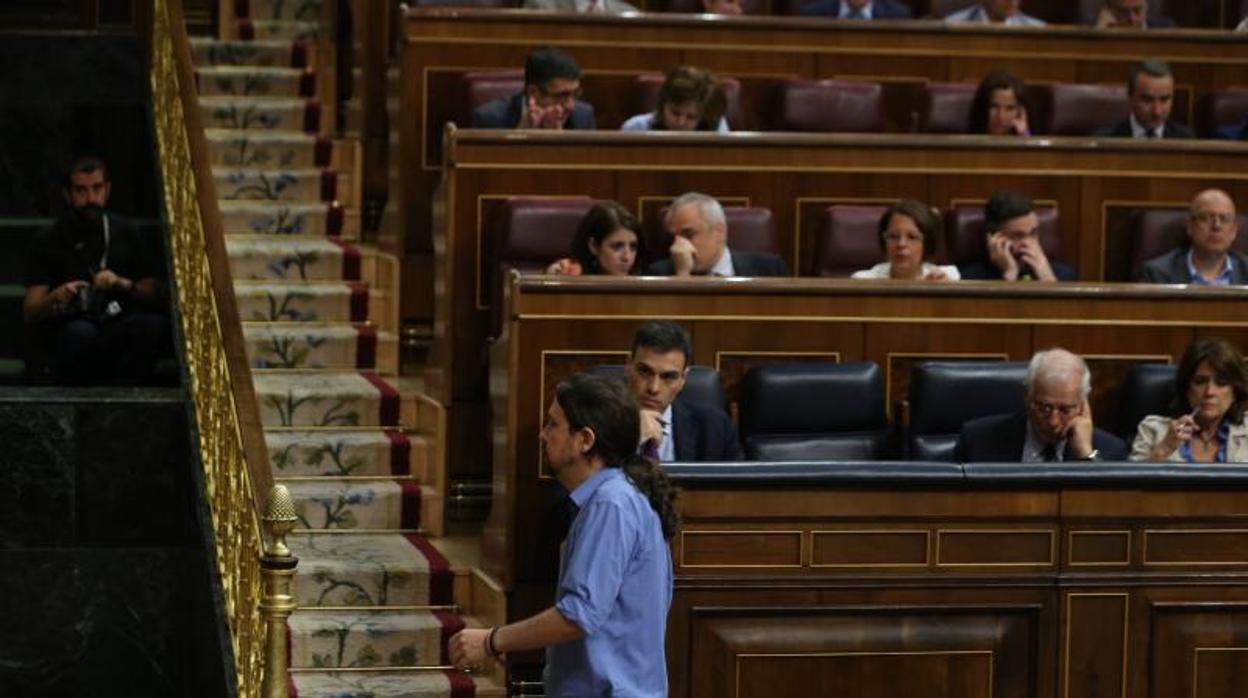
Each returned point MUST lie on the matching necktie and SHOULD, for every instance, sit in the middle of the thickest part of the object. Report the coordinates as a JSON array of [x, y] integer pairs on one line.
[[650, 449], [857, 13], [1154, 133], [1049, 454], [595, 6]]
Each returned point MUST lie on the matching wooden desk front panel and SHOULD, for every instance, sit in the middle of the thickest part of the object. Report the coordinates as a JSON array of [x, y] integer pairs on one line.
[[1094, 185]]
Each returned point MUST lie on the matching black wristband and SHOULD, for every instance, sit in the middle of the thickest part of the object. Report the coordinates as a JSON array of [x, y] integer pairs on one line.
[[490, 649]]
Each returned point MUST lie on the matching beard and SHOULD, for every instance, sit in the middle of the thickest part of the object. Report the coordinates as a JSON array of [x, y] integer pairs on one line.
[[89, 215]]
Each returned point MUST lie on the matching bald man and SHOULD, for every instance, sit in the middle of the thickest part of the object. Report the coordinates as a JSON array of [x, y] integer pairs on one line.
[[1207, 259]]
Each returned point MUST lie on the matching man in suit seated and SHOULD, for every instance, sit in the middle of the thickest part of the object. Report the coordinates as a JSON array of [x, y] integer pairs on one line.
[[1055, 423], [605, 7], [857, 9], [699, 232], [1150, 92], [1004, 12], [1129, 14], [1207, 259], [673, 429], [552, 84], [1012, 234]]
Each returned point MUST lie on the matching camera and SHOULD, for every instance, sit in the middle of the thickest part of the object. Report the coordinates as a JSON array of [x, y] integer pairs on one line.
[[91, 303]]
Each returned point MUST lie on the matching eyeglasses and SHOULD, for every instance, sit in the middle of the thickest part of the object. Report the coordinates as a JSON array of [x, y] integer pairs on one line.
[[1048, 408], [1206, 218], [898, 238]]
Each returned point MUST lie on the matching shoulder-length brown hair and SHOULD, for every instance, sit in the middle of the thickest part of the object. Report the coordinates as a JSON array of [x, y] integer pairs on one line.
[[685, 84], [600, 221], [996, 80], [1227, 363]]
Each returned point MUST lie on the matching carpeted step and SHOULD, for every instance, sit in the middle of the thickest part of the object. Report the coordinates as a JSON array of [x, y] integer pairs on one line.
[[297, 258], [301, 345], [369, 569], [276, 53], [306, 184], [319, 452], [326, 503], [326, 399], [390, 684], [300, 10], [261, 113], [282, 218], [246, 80], [366, 638], [268, 150], [271, 29], [294, 302]]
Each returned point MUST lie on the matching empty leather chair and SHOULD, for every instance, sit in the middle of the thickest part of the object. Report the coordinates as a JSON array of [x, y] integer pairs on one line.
[[1159, 230], [1147, 389], [944, 394], [946, 107], [529, 234], [1082, 110], [848, 240], [964, 228], [1222, 108], [481, 87], [829, 106], [813, 411], [702, 385], [646, 97]]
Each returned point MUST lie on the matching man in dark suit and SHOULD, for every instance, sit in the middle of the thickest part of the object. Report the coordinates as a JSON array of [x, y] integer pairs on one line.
[[699, 232], [857, 9], [1129, 14], [1150, 92], [1012, 235], [1207, 259], [1055, 423], [674, 429], [552, 84]]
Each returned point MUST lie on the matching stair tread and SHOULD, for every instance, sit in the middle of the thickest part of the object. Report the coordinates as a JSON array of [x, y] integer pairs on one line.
[[389, 684]]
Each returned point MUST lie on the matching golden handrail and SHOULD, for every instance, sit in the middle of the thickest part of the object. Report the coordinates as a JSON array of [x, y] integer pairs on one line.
[[231, 446]]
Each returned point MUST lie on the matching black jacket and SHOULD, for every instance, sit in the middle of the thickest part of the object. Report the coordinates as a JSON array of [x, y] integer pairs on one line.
[[986, 270], [1171, 268], [881, 9], [702, 433], [506, 113], [1123, 130], [999, 438], [743, 263]]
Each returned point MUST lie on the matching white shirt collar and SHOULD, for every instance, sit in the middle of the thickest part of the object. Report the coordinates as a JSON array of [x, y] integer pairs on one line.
[[1138, 130], [723, 267], [867, 10]]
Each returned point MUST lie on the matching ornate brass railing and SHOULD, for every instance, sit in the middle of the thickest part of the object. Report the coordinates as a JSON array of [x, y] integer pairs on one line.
[[230, 442]]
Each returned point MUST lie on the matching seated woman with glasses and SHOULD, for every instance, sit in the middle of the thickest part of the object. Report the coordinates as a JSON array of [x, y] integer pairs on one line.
[[608, 241], [999, 107], [908, 231], [1208, 423], [691, 99]]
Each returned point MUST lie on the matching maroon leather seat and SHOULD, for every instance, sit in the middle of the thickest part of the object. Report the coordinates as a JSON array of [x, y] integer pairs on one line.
[[481, 87], [1160, 230], [946, 107], [964, 230], [848, 240], [750, 229], [1223, 108], [1081, 110], [829, 106], [528, 234], [647, 97]]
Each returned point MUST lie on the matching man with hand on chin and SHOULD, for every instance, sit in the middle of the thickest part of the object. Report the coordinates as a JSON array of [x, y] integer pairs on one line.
[[550, 99], [1012, 231], [699, 231], [1054, 425]]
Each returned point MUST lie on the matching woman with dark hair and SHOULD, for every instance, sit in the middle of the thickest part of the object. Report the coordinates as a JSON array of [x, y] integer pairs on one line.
[[1000, 106], [908, 231], [1208, 426], [605, 633], [608, 241], [691, 99]]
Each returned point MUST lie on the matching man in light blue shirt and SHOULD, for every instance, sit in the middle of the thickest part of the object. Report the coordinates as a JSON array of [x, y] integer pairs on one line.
[[1207, 259], [1004, 12], [605, 634]]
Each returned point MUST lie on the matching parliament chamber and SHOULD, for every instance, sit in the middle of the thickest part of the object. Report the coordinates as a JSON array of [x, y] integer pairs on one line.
[[346, 469]]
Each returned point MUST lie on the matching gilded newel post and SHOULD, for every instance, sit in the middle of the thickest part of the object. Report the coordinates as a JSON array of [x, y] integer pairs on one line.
[[278, 567]]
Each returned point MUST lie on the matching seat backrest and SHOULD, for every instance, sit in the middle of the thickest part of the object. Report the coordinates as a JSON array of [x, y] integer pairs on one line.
[[702, 386], [964, 230], [1222, 108], [946, 107], [829, 106], [1160, 230], [813, 411], [848, 240], [646, 96], [1081, 110], [944, 394], [481, 87], [1147, 389]]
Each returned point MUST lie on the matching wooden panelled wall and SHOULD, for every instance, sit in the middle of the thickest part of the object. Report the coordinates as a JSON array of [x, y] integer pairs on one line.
[[947, 590], [440, 44], [558, 326]]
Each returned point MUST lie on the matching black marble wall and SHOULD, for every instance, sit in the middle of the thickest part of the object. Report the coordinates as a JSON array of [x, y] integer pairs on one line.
[[106, 581]]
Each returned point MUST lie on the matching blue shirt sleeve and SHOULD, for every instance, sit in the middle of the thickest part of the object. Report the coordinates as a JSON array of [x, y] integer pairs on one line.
[[595, 560]]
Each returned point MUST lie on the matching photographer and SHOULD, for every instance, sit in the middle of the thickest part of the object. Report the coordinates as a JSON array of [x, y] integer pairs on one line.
[[1012, 236], [93, 295]]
